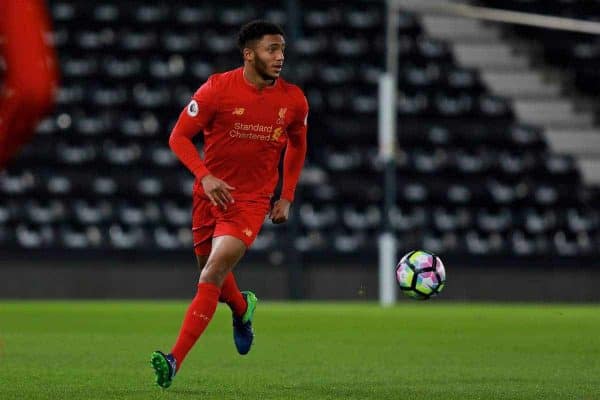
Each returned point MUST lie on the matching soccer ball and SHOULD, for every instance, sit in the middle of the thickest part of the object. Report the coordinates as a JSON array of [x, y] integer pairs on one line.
[[421, 275]]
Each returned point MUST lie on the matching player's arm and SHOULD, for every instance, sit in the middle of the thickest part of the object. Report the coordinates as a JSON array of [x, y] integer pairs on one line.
[[189, 124], [194, 118], [293, 161]]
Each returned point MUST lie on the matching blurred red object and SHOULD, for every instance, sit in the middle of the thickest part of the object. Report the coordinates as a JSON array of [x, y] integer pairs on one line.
[[31, 75]]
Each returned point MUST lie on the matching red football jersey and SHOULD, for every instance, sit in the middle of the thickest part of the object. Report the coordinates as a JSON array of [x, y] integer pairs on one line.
[[245, 130]]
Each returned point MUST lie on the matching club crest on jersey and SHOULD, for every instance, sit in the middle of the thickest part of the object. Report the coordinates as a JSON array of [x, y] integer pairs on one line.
[[276, 134], [238, 111], [192, 108], [281, 115]]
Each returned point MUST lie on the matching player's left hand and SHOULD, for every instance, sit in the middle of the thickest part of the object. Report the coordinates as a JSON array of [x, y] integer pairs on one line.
[[280, 211]]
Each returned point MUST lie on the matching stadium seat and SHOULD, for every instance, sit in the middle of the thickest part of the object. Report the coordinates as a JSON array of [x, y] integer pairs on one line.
[[266, 241], [361, 218], [167, 238], [35, 236], [106, 14], [350, 242], [582, 220], [315, 216], [449, 220], [312, 241], [127, 237], [85, 212], [80, 237]]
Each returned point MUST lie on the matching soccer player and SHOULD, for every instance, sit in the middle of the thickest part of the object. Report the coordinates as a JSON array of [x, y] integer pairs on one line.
[[248, 116]]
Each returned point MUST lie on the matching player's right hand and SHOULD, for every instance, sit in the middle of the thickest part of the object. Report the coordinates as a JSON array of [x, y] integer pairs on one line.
[[217, 191]]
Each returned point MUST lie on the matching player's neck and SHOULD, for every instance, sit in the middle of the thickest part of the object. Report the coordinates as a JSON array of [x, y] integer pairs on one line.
[[255, 79]]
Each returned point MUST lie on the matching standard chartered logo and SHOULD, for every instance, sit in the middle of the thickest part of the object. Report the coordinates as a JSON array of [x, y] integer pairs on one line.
[[253, 127], [255, 132]]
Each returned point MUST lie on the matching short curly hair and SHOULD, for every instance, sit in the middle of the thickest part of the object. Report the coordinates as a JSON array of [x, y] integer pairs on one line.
[[255, 30]]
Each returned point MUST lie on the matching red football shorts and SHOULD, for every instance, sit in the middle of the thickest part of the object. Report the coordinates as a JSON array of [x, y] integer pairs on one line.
[[242, 219]]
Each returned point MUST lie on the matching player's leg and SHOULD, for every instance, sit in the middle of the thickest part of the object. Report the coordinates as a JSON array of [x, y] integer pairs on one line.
[[242, 305], [226, 249], [225, 254], [201, 260], [230, 293], [203, 226], [219, 269], [244, 221]]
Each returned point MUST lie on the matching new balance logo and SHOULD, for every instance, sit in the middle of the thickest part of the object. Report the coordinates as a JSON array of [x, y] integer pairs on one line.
[[238, 111]]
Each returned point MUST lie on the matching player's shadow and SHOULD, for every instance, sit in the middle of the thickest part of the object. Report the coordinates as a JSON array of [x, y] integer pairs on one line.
[[342, 391], [158, 393], [191, 392]]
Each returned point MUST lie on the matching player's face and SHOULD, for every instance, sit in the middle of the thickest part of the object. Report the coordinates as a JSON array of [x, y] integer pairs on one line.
[[268, 56]]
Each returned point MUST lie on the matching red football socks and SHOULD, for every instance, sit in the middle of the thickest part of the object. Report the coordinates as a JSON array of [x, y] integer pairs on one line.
[[196, 319], [230, 294]]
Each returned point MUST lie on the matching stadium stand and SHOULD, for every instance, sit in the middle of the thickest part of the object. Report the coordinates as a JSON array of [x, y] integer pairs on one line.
[[576, 53], [99, 174]]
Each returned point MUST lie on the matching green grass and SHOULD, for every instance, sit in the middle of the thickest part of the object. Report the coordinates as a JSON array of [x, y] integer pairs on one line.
[[432, 350]]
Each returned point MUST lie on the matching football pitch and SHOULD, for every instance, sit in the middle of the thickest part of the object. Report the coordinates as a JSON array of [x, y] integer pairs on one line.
[[429, 350]]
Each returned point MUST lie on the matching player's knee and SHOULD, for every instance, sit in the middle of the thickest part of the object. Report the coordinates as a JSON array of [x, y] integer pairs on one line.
[[214, 272]]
